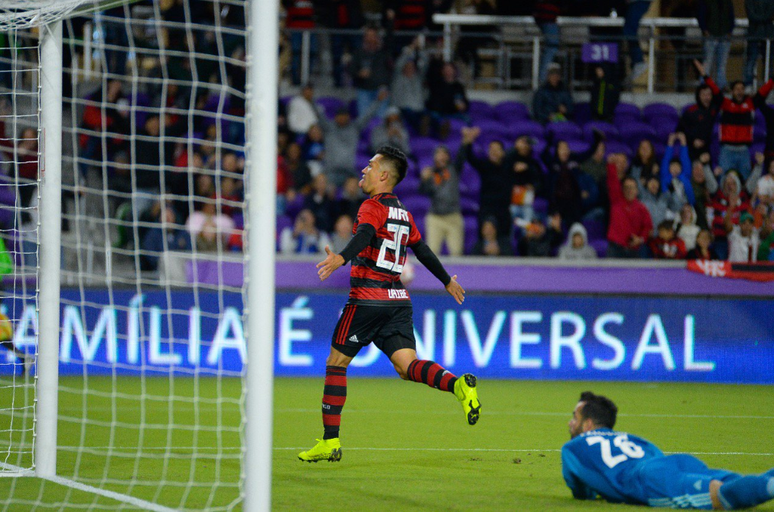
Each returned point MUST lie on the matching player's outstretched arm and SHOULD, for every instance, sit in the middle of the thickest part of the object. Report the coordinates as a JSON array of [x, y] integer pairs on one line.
[[427, 257], [363, 235], [330, 264], [455, 290]]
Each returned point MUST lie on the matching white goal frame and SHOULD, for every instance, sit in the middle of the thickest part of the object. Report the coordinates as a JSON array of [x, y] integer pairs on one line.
[[263, 39]]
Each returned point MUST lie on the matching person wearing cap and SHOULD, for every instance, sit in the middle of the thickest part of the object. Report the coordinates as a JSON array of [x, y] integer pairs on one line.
[[391, 132], [552, 101], [743, 240]]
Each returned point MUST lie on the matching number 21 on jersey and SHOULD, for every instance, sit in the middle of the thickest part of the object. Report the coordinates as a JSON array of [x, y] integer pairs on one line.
[[399, 231], [629, 449]]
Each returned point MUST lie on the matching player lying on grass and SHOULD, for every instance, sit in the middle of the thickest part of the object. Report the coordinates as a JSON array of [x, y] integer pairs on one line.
[[379, 308], [622, 468]]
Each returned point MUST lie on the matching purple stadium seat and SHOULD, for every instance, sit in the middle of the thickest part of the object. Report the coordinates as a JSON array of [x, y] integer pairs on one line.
[[540, 206], [759, 134], [509, 111], [480, 109], [469, 206], [600, 246], [492, 126], [471, 232], [618, 147], [409, 186], [610, 131], [578, 147], [664, 128], [423, 146], [627, 110], [417, 205], [538, 146], [284, 221], [582, 113], [655, 112], [595, 229], [563, 131], [526, 127], [330, 104], [634, 132]]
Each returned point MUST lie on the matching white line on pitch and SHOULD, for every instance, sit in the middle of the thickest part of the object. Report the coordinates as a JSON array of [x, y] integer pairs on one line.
[[536, 450], [141, 504], [539, 413]]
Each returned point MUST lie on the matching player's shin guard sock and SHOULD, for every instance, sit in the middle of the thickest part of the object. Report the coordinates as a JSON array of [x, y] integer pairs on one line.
[[334, 396], [432, 374], [746, 492]]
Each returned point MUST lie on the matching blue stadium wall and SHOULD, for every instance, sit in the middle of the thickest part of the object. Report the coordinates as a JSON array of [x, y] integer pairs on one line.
[[494, 335]]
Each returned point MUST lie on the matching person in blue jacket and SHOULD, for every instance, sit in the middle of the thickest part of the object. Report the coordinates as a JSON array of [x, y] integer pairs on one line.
[[676, 173], [623, 468]]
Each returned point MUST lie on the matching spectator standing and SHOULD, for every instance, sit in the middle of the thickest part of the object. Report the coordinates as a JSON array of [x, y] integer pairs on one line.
[[577, 246], [490, 243], [704, 186], [300, 175], [211, 229], [371, 69], [341, 15], [729, 201], [447, 99], [564, 192], [299, 16], [540, 240], [408, 89], [703, 249], [304, 237], [495, 193], [441, 182], [760, 16], [716, 21], [766, 249], [605, 94], [526, 180], [635, 10], [552, 101], [545, 13], [676, 173], [302, 112], [630, 222], [596, 165], [686, 228], [736, 123], [391, 132], [153, 158], [321, 203], [764, 189], [666, 246], [655, 201], [698, 120], [342, 233], [743, 240], [644, 163], [351, 198], [341, 138], [167, 235], [768, 115]]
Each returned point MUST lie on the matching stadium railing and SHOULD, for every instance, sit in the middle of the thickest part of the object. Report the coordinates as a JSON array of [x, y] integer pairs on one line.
[[513, 49]]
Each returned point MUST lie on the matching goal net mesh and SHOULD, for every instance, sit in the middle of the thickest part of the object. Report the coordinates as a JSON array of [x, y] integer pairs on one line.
[[152, 342]]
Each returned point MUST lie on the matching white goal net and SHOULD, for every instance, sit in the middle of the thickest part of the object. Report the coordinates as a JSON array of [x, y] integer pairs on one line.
[[152, 327]]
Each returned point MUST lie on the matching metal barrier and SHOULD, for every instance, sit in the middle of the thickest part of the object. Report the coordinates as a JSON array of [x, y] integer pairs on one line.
[[511, 46]]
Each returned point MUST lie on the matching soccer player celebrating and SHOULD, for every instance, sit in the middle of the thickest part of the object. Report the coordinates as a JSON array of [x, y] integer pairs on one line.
[[379, 308], [622, 468]]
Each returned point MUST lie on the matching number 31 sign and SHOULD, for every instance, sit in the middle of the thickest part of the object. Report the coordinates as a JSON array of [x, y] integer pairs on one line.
[[600, 52]]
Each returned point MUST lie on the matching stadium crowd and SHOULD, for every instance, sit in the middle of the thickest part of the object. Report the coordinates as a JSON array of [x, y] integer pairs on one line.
[[559, 178]]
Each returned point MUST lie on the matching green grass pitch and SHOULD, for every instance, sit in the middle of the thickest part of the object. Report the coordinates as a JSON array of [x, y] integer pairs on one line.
[[405, 446]]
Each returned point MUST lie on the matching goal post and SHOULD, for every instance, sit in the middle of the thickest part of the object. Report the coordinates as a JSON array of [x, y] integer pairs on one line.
[[153, 388], [50, 242], [263, 41]]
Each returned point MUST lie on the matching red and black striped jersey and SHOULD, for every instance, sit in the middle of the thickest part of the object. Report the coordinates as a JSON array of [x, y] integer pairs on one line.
[[375, 275]]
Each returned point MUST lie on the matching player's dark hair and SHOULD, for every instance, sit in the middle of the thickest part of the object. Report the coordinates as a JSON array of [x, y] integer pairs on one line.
[[396, 158], [600, 409]]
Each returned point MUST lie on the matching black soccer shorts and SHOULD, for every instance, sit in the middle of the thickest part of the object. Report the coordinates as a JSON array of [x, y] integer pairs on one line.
[[390, 328]]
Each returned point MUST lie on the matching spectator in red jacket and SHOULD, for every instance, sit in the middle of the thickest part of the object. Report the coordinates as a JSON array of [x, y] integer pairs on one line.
[[666, 246], [737, 117], [630, 223]]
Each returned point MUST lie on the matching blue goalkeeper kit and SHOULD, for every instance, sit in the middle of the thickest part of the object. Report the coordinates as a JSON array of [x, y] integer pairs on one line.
[[623, 468]]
